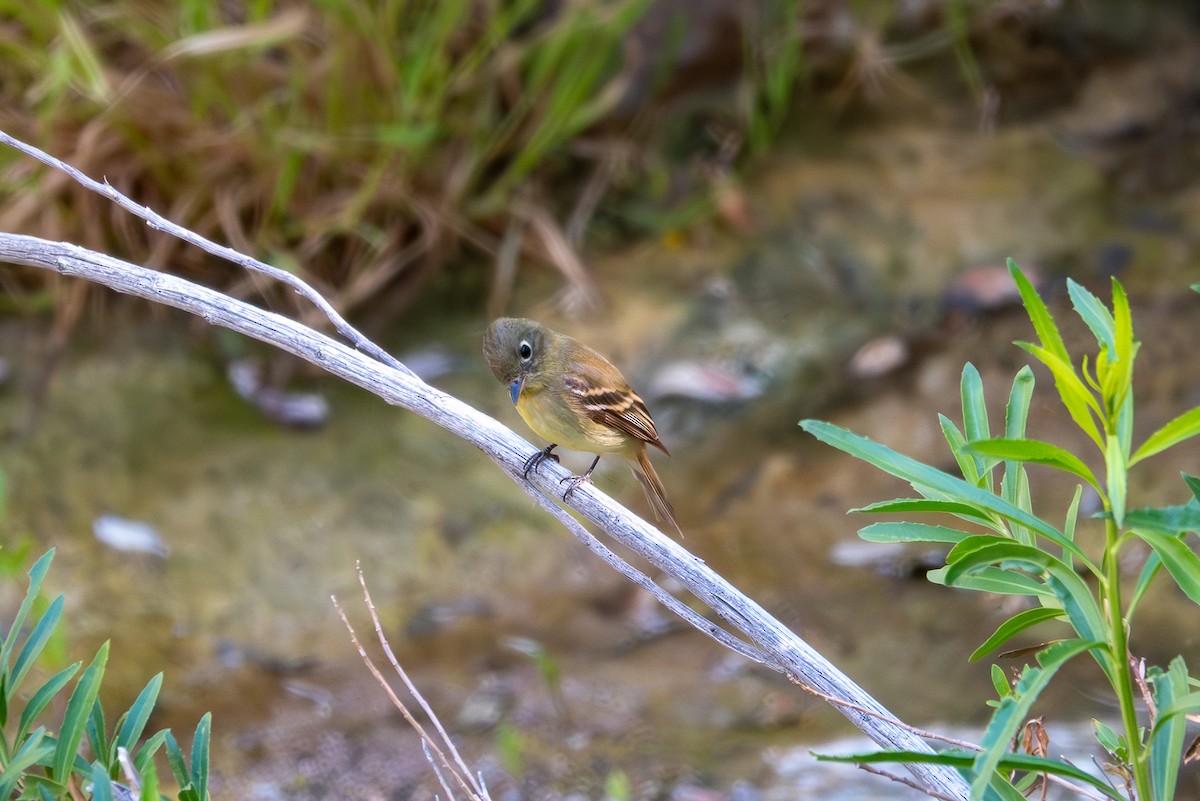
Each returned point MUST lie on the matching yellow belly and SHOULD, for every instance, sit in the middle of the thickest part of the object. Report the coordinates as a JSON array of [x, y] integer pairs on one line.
[[552, 419]]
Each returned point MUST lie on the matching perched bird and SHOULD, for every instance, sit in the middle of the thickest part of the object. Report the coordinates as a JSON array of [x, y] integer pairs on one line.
[[572, 396]]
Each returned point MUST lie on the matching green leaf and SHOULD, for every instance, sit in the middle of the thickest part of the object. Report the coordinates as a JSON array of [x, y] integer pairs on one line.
[[1016, 413], [1036, 451], [910, 532], [1166, 742], [176, 761], [102, 789], [1014, 709], [98, 733], [35, 644], [139, 713], [1013, 626], [1181, 704], [994, 580], [200, 749], [1080, 403], [79, 708], [1170, 520], [149, 784], [931, 481], [971, 555], [145, 755], [1039, 315], [1114, 463], [42, 698], [1108, 739], [964, 760], [1094, 315], [975, 417], [955, 439], [37, 574], [1000, 682], [1180, 561], [32, 752], [916, 505], [1185, 426], [1193, 484]]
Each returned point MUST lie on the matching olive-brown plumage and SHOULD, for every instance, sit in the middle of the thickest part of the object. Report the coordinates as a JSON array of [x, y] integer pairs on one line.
[[572, 396]]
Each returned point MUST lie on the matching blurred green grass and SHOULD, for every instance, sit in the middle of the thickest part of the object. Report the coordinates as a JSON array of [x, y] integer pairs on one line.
[[365, 144]]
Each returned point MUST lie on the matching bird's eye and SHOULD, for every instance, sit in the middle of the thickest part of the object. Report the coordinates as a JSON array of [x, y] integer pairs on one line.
[[525, 350]]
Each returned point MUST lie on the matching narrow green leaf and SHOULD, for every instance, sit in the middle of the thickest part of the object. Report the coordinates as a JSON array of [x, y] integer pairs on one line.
[[1036, 451], [75, 720], [1180, 561], [1166, 742], [915, 505], [1094, 315], [966, 759], [1014, 488], [1185, 426], [975, 416], [33, 646], [1114, 463], [37, 574], [149, 783], [955, 439], [910, 532], [1039, 315], [145, 754], [1080, 403], [996, 581], [1170, 520], [176, 761], [1125, 345], [1013, 626], [929, 480], [1183, 703], [139, 713], [1107, 738], [32, 752], [200, 749], [102, 789], [1193, 484], [1000, 682], [42, 698], [1149, 570], [1016, 413], [97, 732], [1013, 710]]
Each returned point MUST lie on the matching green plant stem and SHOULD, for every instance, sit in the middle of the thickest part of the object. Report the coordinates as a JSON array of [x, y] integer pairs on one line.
[[1124, 686]]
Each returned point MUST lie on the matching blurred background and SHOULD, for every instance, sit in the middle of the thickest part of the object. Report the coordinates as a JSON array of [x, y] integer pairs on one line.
[[761, 210]]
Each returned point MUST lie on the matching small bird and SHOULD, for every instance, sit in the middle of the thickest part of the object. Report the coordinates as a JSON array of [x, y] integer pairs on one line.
[[572, 396]]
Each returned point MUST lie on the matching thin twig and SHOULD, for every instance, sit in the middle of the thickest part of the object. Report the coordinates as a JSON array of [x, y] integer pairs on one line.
[[464, 772], [905, 781], [843, 703], [395, 699]]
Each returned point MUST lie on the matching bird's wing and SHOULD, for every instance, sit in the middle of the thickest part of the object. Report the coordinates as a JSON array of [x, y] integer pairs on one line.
[[606, 398]]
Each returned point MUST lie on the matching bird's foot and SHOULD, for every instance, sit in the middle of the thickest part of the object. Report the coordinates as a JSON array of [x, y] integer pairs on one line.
[[533, 462], [574, 481]]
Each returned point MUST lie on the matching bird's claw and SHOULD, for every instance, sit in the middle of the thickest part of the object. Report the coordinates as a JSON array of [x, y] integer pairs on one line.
[[533, 462]]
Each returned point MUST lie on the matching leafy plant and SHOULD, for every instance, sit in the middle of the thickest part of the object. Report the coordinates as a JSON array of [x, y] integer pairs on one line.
[[1001, 546], [38, 764]]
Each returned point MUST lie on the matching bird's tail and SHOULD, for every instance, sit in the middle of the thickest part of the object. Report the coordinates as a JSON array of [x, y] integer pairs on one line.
[[656, 493]]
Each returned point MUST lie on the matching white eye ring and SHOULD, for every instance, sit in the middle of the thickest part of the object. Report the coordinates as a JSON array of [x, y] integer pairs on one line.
[[525, 350]]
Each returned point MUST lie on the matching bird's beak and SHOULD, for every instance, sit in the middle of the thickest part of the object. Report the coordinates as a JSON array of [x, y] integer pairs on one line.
[[514, 389]]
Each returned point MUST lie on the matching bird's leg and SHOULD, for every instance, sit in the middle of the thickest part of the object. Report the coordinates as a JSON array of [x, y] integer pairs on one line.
[[531, 464], [575, 481]]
